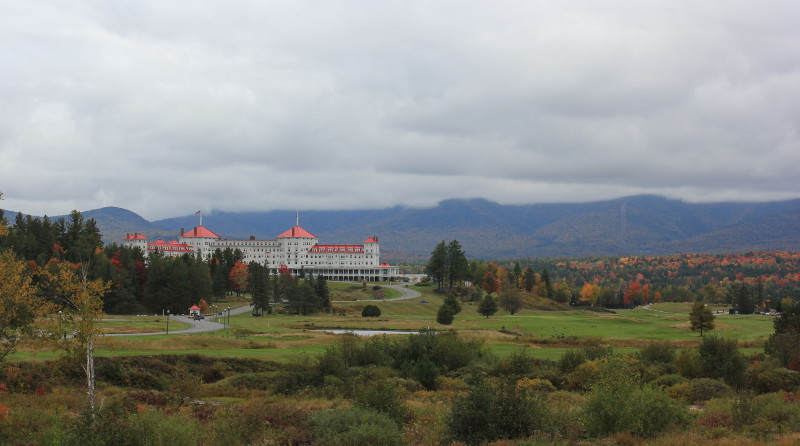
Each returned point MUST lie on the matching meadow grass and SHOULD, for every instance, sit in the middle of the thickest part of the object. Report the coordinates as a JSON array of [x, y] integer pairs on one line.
[[545, 334], [139, 324]]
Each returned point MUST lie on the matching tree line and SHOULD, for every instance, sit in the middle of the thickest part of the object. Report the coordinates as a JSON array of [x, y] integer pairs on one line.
[[158, 283], [748, 282]]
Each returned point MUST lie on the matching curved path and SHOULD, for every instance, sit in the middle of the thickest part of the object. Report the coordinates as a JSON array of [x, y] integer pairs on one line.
[[408, 293], [201, 326], [206, 325]]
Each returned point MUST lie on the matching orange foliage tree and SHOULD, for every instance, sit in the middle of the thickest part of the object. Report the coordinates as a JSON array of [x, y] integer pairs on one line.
[[238, 278], [491, 284], [590, 293]]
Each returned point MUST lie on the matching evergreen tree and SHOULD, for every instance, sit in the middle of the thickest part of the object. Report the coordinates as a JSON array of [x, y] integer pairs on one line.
[[488, 306], [784, 343], [548, 285], [436, 268], [528, 279], [515, 274], [451, 302], [259, 286], [323, 293], [457, 265], [445, 315], [744, 302], [701, 318]]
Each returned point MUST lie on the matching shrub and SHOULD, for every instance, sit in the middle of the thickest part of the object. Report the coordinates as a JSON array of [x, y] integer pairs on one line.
[[596, 352], [570, 360], [668, 380], [257, 381], [619, 404], [536, 385], [159, 429], [488, 413], [774, 408], [721, 358], [371, 311], [658, 352], [354, 426], [112, 425], [765, 379], [515, 364], [681, 392], [704, 389], [383, 396], [688, 363], [425, 372], [584, 376]]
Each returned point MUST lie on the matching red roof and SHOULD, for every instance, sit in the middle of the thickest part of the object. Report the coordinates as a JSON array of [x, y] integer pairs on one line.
[[135, 236], [200, 231], [341, 249], [385, 264], [297, 231], [194, 307], [371, 240]]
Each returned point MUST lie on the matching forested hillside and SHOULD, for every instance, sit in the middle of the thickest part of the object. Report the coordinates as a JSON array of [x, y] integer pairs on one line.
[[640, 225]]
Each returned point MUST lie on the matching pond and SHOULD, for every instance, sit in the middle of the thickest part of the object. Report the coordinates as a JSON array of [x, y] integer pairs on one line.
[[365, 332]]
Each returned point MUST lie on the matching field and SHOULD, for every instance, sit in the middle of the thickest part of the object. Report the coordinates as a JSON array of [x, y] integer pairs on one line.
[[544, 334], [206, 388]]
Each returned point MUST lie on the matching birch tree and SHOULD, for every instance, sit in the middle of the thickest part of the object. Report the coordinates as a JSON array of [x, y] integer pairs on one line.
[[82, 310]]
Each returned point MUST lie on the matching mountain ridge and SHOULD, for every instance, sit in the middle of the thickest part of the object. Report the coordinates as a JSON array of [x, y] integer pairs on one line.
[[635, 225]]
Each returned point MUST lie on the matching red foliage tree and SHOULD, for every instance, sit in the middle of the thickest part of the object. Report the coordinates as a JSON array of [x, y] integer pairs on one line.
[[238, 278], [491, 284]]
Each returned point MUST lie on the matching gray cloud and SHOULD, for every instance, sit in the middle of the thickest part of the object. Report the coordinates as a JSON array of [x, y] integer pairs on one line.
[[168, 107]]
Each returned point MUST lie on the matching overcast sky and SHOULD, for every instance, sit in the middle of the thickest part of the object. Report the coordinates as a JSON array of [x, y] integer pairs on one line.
[[168, 107]]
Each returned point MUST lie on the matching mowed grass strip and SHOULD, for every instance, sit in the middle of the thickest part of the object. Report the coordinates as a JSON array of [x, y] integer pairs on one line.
[[545, 334], [137, 325]]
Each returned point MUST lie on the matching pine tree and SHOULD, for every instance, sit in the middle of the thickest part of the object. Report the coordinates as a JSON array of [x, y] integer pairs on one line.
[[445, 315], [451, 302], [488, 306], [701, 318], [436, 268], [744, 303], [548, 285], [457, 265], [323, 293]]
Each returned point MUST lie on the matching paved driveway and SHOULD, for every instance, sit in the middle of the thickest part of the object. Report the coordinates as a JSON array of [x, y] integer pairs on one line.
[[211, 324], [201, 326]]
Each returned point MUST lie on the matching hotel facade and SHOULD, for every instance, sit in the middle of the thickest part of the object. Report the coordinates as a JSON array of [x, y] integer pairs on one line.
[[295, 248]]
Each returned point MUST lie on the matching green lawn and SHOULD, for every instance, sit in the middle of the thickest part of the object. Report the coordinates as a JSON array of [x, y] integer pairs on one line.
[[140, 324], [546, 334]]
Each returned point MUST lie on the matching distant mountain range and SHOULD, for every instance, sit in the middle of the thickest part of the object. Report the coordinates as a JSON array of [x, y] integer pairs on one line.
[[637, 225]]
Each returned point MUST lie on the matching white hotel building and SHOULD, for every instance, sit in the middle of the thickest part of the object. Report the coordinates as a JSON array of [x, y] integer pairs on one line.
[[295, 248]]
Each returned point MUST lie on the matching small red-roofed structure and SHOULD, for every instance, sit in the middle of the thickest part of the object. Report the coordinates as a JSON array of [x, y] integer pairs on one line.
[[193, 310]]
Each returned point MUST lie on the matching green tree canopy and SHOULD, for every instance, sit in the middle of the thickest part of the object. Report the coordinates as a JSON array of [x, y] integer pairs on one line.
[[488, 306], [701, 318]]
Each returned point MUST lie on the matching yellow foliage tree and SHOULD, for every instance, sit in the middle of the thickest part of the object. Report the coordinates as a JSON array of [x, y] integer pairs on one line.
[[22, 311], [82, 310], [590, 293]]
